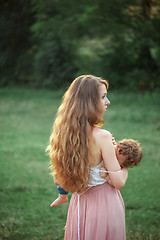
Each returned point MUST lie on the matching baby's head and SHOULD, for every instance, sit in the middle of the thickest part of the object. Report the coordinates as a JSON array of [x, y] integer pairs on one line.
[[128, 152]]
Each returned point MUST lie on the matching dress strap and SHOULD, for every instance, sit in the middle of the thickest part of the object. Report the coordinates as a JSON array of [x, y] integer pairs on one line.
[[78, 195], [78, 219], [110, 171]]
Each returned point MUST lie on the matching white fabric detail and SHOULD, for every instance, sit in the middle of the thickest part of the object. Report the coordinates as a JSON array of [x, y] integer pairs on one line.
[[109, 171], [96, 179], [79, 210], [78, 218]]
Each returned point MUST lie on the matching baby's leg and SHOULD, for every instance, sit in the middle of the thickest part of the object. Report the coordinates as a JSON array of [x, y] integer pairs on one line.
[[62, 197]]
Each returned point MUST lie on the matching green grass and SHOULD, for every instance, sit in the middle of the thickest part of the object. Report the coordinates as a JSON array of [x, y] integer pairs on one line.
[[26, 186]]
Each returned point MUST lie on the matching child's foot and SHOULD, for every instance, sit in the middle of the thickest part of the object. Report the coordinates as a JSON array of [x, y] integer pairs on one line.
[[61, 199]]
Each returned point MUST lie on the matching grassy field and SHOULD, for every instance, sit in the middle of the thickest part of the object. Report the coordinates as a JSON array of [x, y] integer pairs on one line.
[[26, 186]]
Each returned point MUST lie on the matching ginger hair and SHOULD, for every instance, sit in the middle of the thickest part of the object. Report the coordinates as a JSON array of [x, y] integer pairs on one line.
[[131, 148], [70, 140]]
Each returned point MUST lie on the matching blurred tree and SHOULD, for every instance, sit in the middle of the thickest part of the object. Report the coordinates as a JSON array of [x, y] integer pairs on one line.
[[132, 49], [16, 18], [145, 40], [47, 43], [55, 63]]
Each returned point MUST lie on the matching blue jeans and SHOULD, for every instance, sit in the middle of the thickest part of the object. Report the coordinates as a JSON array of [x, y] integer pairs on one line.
[[61, 190]]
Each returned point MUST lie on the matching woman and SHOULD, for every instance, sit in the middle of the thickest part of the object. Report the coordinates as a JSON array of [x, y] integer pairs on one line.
[[78, 149]]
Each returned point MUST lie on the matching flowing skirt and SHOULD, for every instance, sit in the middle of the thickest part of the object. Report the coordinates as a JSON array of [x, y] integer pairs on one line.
[[101, 215]]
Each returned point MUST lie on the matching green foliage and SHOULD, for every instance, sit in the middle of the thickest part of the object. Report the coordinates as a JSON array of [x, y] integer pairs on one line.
[[16, 42], [54, 64], [128, 52], [42, 41], [27, 188], [125, 67]]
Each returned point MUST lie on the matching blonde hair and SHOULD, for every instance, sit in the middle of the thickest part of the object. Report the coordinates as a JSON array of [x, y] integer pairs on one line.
[[131, 148], [69, 152]]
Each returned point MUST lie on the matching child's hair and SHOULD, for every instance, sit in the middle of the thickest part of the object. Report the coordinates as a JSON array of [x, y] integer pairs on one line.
[[132, 149]]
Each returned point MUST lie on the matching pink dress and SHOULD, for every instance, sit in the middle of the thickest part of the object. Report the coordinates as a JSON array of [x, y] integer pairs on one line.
[[97, 214]]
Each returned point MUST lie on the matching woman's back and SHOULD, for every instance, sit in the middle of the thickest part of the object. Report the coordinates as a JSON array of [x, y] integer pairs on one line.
[[94, 148]]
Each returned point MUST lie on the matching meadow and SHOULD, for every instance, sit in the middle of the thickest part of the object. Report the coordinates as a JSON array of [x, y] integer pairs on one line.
[[26, 185]]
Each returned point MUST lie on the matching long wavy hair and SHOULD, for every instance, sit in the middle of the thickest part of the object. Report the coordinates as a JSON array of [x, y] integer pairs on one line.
[[70, 140]]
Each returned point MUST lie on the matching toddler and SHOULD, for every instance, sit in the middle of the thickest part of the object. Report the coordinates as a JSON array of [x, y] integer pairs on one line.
[[128, 153]]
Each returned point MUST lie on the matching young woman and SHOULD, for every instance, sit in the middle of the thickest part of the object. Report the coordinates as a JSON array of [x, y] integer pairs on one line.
[[78, 149]]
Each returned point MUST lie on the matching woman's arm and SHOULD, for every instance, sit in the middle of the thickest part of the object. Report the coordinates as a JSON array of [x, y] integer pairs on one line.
[[103, 173], [124, 175], [119, 177], [106, 176]]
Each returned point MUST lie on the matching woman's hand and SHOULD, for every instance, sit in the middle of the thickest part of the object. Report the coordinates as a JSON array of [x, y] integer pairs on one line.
[[104, 174], [113, 140]]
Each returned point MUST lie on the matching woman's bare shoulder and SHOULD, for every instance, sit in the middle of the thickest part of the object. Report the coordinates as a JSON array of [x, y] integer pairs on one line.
[[100, 133]]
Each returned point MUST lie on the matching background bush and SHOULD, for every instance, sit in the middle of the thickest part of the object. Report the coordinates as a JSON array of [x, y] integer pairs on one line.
[[48, 43]]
